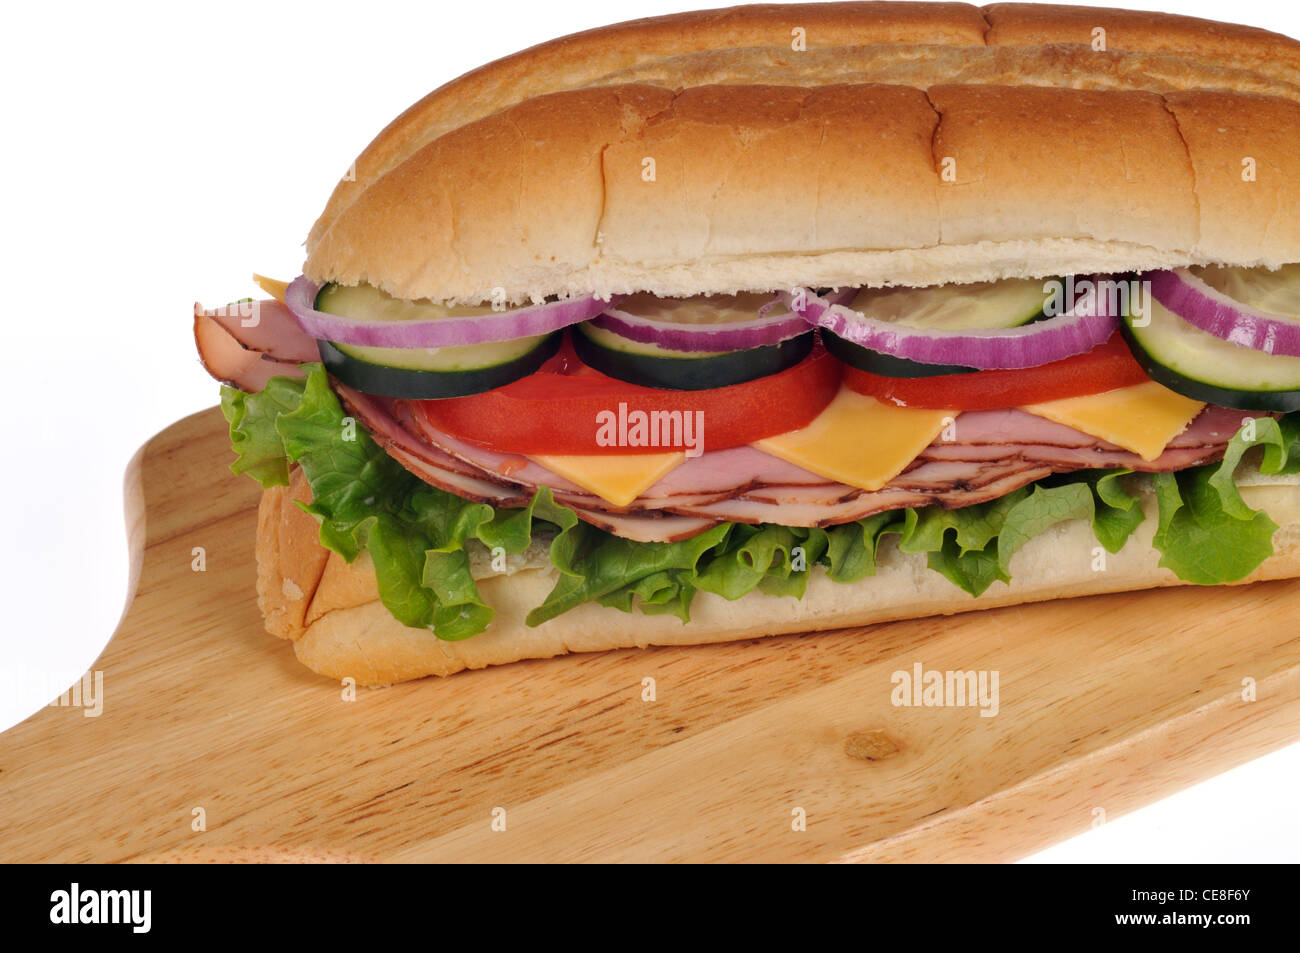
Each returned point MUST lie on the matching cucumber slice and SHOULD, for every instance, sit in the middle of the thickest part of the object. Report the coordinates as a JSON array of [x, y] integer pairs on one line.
[[1275, 292], [978, 306], [469, 357], [886, 365], [448, 378], [1198, 365], [423, 373], [695, 311], [699, 371], [368, 303], [616, 342], [981, 306]]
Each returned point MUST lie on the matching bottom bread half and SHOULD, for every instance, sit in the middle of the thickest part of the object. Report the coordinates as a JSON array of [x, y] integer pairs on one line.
[[331, 609]]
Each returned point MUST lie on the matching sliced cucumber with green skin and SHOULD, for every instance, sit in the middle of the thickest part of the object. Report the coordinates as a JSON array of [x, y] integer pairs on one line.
[[1198, 365], [467, 357], [616, 342], [886, 365], [1274, 291], [367, 303], [695, 372], [423, 373], [440, 376], [980, 306]]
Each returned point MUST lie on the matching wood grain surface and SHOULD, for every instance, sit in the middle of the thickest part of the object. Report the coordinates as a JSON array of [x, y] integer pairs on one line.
[[1105, 704]]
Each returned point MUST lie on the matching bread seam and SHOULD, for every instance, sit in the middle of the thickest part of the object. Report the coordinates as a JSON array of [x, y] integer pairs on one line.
[[1191, 167]]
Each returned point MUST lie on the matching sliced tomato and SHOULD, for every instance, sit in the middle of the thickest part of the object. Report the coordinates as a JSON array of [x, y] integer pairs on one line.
[[1104, 368], [559, 409]]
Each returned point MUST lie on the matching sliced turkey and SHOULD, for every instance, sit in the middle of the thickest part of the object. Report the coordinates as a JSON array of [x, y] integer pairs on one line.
[[245, 346]]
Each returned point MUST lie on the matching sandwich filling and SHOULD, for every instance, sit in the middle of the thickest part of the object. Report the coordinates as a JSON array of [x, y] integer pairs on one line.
[[726, 443]]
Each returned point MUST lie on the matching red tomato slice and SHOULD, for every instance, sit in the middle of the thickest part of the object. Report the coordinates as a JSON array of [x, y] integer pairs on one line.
[[555, 410], [1105, 367]]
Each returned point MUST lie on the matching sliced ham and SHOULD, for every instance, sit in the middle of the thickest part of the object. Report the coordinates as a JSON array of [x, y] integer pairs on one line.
[[936, 476], [445, 478], [645, 504], [647, 528], [732, 470], [428, 463], [230, 362], [745, 485], [641, 528], [1213, 426], [267, 327], [993, 434], [751, 509], [248, 355], [806, 506], [1000, 427], [1073, 458]]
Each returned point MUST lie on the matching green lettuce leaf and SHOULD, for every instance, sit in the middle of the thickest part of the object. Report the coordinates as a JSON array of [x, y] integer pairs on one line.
[[1117, 512], [962, 544], [1281, 454], [1042, 509], [257, 445], [1206, 533], [852, 548], [421, 539], [1201, 541], [596, 566]]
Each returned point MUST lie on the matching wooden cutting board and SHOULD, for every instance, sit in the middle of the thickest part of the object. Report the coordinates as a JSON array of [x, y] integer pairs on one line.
[[1105, 704]]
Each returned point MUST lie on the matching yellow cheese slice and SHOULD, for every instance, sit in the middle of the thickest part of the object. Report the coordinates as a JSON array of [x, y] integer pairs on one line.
[[275, 289], [859, 440], [1142, 418], [617, 478]]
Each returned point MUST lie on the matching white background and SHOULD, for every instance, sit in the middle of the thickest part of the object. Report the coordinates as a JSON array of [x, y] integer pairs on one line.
[[158, 154]]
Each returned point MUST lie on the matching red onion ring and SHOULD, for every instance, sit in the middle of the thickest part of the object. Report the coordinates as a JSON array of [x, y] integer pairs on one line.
[[761, 331], [1080, 329], [439, 332], [1209, 309]]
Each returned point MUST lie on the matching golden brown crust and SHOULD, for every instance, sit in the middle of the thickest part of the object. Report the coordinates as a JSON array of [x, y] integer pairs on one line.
[[918, 45], [746, 171], [513, 199], [723, 188], [832, 28], [1065, 159], [1040, 163], [347, 632], [1243, 150], [290, 558], [580, 59], [1229, 44], [1066, 65]]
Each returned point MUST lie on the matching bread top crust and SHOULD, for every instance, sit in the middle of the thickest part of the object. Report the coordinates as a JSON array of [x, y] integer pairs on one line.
[[909, 143]]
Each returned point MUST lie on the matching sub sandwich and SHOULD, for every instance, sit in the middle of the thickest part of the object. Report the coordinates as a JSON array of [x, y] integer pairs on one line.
[[782, 318]]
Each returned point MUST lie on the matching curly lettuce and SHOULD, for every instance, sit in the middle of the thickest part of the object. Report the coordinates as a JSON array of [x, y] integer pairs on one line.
[[418, 536]]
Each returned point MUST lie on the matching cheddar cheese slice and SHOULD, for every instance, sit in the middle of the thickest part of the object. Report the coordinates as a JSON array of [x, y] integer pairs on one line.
[[617, 478], [859, 440], [276, 289], [1142, 418]]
